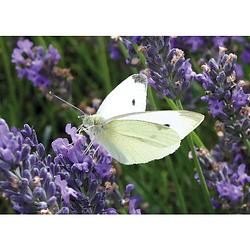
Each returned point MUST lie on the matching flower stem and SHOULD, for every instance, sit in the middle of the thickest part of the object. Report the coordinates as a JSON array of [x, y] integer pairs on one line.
[[182, 203], [13, 106], [104, 64], [247, 144], [197, 165], [169, 163], [151, 98]]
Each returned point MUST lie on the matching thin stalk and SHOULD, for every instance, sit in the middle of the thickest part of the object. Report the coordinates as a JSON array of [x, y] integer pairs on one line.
[[198, 140], [169, 163], [104, 64], [7, 68], [247, 144], [198, 166], [151, 99], [182, 203], [41, 41], [123, 50], [141, 55], [170, 103]]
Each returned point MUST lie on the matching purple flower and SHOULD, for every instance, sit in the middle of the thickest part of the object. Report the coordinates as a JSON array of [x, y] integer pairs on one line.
[[40, 67], [229, 191], [132, 206], [129, 42], [245, 56], [239, 71], [114, 50], [225, 165], [170, 73], [73, 181], [34, 63], [195, 42], [239, 98], [219, 41], [52, 55], [188, 43], [243, 178], [216, 107], [66, 191]]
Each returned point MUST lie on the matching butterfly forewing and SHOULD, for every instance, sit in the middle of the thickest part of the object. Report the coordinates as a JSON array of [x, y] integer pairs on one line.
[[128, 97]]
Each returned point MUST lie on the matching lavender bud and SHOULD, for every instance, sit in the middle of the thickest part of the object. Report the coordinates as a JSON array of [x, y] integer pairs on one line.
[[39, 193], [51, 189], [40, 150], [25, 152], [63, 210]]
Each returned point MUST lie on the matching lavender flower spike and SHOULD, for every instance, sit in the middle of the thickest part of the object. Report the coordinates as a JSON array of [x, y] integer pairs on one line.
[[226, 167], [39, 66], [170, 72], [35, 63]]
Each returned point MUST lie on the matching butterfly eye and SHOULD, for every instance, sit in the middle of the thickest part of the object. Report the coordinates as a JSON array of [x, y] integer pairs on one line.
[[133, 102]]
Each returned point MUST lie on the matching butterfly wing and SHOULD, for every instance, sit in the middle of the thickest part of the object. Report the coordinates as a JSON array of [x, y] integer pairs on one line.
[[128, 97], [182, 121], [134, 142]]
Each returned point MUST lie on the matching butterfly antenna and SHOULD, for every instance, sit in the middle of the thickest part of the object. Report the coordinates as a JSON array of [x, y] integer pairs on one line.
[[67, 103]]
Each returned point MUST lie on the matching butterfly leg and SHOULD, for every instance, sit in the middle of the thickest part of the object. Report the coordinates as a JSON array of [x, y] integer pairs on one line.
[[81, 128], [89, 147], [96, 150]]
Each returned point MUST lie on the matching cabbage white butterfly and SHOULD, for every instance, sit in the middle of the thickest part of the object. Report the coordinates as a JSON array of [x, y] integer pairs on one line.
[[129, 133]]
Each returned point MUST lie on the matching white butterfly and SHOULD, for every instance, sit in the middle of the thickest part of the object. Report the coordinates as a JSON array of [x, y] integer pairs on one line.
[[132, 135]]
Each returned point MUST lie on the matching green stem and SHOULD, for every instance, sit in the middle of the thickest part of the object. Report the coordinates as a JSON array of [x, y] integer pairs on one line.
[[169, 163], [170, 103], [151, 99], [40, 41], [140, 55], [104, 64], [7, 67], [123, 50], [247, 144], [198, 140], [197, 165], [179, 193]]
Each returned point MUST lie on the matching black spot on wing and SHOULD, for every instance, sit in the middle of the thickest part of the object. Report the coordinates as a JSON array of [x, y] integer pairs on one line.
[[163, 126], [133, 102]]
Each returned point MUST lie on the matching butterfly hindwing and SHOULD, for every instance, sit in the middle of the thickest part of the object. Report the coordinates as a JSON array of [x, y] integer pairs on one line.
[[134, 142], [182, 121]]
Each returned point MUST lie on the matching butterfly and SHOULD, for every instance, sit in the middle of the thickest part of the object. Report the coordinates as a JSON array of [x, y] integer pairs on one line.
[[131, 134]]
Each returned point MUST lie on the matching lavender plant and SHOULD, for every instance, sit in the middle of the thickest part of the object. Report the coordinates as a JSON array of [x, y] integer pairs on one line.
[[208, 46], [40, 67], [226, 166], [169, 71], [73, 181]]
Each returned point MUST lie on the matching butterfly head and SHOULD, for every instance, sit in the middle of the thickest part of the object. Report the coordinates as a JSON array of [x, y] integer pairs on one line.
[[92, 120]]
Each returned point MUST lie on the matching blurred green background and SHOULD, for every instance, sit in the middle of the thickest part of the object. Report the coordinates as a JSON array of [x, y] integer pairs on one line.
[[167, 185]]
